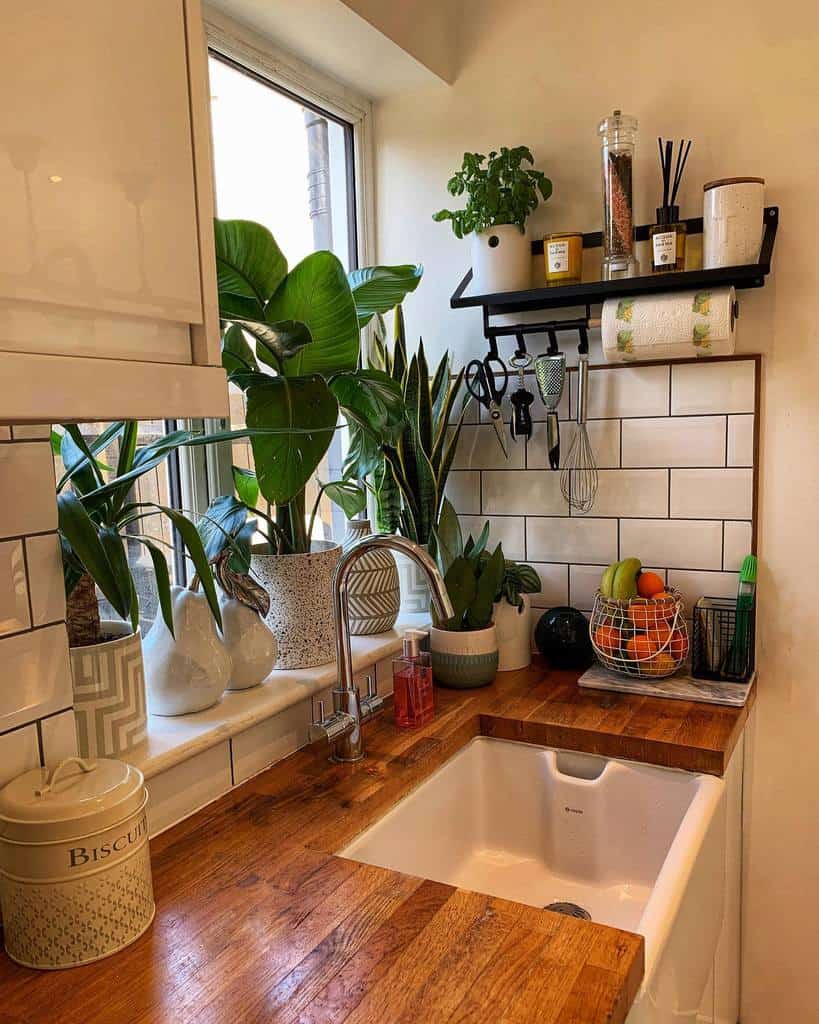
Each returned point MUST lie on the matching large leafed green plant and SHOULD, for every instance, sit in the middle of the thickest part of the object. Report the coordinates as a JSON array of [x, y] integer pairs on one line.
[[291, 342], [473, 577]]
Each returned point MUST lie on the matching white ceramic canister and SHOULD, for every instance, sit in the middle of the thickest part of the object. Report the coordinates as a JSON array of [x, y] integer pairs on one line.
[[732, 222], [75, 870], [501, 260]]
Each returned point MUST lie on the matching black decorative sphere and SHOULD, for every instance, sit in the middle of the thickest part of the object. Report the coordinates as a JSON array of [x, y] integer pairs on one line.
[[562, 636]]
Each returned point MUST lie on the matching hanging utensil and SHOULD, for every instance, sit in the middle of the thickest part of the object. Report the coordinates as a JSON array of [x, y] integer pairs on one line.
[[486, 380], [550, 373], [578, 481], [521, 399]]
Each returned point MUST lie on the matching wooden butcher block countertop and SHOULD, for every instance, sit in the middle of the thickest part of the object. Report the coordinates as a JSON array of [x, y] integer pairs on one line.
[[257, 920]]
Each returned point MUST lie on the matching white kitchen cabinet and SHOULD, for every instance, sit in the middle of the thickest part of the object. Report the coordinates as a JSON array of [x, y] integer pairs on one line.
[[107, 273]]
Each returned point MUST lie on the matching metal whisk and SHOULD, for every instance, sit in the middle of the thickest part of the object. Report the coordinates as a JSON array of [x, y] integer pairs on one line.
[[578, 481]]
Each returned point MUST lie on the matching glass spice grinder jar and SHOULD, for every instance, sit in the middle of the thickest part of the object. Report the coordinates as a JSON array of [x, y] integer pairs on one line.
[[618, 134]]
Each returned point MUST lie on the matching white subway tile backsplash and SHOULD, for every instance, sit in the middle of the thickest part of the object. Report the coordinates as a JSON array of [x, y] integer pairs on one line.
[[638, 493], [45, 576], [5, 433], [463, 488], [32, 432], [681, 544], [571, 540], [584, 581], [621, 392], [14, 613], [737, 545], [740, 440], [604, 436], [694, 585], [19, 752], [36, 677], [27, 473], [59, 734], [178, 792], [712, 493], [674, 441], [705, 387], [506, 530], [479, 448], [537, 409], [554, 582], [522, 492]]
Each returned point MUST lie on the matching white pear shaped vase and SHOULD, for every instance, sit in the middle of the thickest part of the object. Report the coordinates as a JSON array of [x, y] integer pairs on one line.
[[247, 638]]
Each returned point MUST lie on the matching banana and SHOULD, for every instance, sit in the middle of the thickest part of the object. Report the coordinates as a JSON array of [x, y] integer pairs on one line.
[[607, 579], [624, 585]]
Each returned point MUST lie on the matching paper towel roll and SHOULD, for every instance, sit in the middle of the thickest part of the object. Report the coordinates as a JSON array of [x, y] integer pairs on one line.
[[674, 325]]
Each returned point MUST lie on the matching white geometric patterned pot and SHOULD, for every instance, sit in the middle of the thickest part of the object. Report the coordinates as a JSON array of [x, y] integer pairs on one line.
[[373, 591], [415, 595], [109, 692], [301, 605]]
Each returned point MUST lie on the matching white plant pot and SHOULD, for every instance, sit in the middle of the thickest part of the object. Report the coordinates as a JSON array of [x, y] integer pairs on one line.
[[514, 629], [464, 660], [301, 603], [188, 671], [415, 595], [247, 638], [373, 591], [501, 260], [109, 693]]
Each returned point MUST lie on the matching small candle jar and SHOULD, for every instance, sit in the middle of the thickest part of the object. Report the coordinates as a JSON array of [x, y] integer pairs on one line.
[[563, 257]]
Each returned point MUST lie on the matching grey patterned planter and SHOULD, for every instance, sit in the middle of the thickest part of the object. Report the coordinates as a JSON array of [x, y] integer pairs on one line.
[[465, 660], [301, 606], [109, 693], [415, 595], [374, 595]]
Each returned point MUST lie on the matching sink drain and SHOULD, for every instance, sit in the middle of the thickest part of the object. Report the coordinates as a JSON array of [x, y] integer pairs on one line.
[[569, 909]]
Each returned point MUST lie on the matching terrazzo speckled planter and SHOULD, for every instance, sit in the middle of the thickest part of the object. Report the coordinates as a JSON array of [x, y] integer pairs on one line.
[[465, 660], [301, 607], [373, 591]]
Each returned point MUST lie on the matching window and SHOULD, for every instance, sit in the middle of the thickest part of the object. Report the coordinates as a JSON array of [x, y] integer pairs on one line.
[[287, 163]]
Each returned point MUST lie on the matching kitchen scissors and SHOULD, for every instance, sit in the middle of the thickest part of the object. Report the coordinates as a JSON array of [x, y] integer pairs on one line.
[[486, 381]]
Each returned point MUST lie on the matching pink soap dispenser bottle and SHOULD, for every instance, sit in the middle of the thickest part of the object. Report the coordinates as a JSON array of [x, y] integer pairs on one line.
[[413, 699]]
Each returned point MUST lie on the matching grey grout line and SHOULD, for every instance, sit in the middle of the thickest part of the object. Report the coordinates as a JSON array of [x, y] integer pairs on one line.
[[28, 583], [40, 746]]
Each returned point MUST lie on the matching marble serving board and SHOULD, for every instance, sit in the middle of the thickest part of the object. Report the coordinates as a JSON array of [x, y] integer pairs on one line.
[[681, 686]]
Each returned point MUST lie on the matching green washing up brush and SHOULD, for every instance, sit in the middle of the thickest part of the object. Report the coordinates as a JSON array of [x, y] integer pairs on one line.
[[739, 655]]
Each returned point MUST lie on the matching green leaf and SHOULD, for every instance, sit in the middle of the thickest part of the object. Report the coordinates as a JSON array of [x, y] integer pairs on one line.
[[80, 464], [377, 290], [237, 355], [448, 535], [222, 521], [81, 533], [371, 399], [194, 547], [364, 455], [249, 264], [246, 484], [461, 586], [316, 293], [276, 342], [479, 545], [112, 544], [349, 497], [305, 411], [387, 499], [479, 613], [163, 582]]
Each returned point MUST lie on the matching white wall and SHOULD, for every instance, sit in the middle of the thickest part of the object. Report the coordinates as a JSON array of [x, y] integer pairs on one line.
[[741, 78]]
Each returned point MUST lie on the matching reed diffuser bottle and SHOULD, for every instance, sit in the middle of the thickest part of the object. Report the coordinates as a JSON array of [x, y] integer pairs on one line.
[[668, 235]]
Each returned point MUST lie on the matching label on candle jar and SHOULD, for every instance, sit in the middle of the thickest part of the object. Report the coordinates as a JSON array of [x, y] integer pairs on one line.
[[665, 248], [557, 254]]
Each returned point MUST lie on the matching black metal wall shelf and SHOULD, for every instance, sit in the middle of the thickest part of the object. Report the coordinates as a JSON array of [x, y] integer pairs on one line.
[[592, 292]]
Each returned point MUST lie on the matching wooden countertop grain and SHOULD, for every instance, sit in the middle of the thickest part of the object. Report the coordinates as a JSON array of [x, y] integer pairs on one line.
[[258, 920]]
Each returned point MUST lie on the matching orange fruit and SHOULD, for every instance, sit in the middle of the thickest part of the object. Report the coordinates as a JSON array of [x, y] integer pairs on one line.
[[661, 664], [608, 639], [678, 648], [644, 613], [669, 641], [641, 647], [649, 584]]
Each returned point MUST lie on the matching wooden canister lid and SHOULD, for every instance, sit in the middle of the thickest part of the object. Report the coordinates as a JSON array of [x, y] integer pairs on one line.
[[732, 181]]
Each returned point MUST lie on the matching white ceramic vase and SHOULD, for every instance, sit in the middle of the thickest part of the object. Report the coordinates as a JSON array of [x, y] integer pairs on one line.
[[188, 671], [249, 642], [301, 604], [109, 692], [501, 260], [373, 591], [464, 660], [514, 629], [415, 595]]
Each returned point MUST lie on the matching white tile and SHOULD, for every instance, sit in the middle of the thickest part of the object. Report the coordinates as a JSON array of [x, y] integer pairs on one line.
[[554, 582], [712, 493], [571, 540], [604, 436], [19, 752], [681, 544], [505, 530], [479, 448], [27, 472], [471, 413], [712, 387], [36, 675], [617, 392], [583, 583], [674, 441], [14, 614], [32, 432], [59, 737], [522, 492], [270, 741], [178, 792], [537, 410], [694, 585], [740, 440], [5, 433], [45, 578], [463, 488], [631, 492], [737, 545]]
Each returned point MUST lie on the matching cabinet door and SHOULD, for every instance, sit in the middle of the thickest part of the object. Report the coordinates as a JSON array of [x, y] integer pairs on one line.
[[100, 251]]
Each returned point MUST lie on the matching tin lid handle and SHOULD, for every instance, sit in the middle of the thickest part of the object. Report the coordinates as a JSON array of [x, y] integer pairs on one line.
[[87, 766]]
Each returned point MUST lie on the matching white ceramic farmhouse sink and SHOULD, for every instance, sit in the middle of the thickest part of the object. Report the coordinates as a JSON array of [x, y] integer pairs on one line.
[[637, 847]]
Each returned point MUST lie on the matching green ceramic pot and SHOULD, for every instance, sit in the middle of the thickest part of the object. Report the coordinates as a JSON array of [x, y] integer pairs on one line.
[[464, 661]]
